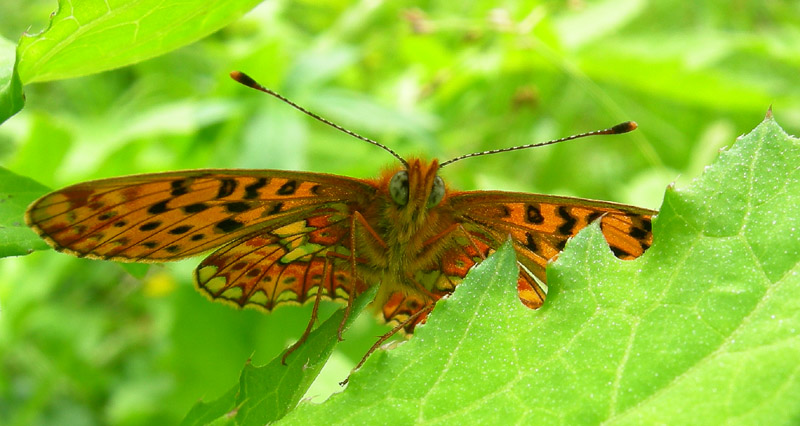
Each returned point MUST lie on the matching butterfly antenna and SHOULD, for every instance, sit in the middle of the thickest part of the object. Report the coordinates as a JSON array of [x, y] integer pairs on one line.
[[249, 82], [618, 129]]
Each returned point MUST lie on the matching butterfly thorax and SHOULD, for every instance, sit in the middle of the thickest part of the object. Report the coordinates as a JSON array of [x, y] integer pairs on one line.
[[405, 229]]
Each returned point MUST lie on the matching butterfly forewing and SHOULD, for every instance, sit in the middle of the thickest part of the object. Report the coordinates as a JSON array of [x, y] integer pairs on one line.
[[540, 226], [168, 216]]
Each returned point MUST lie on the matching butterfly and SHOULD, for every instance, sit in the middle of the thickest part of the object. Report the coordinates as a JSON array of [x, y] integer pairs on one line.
[[288, 237]]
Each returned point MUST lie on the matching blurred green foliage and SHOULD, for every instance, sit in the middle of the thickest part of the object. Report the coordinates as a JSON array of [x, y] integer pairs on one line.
[[84, 342]]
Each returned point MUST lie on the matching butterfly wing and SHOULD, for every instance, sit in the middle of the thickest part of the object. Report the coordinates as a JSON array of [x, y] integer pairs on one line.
[[169, 216], [539, 226], [275, 228], [285, 265]]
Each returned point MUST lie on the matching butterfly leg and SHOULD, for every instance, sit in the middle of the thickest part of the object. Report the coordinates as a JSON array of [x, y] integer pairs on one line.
[[410, 320], [352, 295], [355, 219], [313, 319]]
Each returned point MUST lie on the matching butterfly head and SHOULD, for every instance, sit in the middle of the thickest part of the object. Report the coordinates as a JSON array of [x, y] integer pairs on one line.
[[415, 188]]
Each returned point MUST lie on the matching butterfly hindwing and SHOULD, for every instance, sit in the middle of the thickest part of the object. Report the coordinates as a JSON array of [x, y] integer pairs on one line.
[[284, 265]]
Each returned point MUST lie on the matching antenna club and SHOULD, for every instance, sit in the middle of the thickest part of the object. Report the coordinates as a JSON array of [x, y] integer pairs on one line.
[[625, 127], [243, 78]]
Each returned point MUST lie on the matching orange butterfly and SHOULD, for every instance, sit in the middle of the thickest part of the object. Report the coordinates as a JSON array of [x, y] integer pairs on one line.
[[290, 237]]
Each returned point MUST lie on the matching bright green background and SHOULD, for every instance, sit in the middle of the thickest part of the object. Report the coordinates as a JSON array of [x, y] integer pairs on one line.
[[84, 342]]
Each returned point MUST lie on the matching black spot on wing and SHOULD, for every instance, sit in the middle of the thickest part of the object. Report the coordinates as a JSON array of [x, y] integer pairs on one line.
[[149, 226], [226, 188], [179, 187], [276, 208], [533, 214], [237, 207], [566, 228], [288, 188], [638, 233], [229, 225], [180, 229], [195, 208], [158, 208], [251, 191], [530, 243]]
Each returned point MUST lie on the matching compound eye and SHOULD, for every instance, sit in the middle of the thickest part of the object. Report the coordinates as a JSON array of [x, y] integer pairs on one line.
[[437, 192], [398, 188]]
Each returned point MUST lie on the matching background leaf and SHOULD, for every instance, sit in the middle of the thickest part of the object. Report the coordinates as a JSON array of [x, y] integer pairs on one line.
[[16, 193], [702, 326], [89, 36], [11, 97]]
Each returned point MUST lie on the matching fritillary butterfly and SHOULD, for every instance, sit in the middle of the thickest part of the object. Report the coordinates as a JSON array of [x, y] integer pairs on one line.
[[285, 237]]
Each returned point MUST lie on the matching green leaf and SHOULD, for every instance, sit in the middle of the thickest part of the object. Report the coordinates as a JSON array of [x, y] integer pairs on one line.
[[89, 36], [16, 193], [436, 355], [206, 412], [265, 394], [705, 325], [11, 98]]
